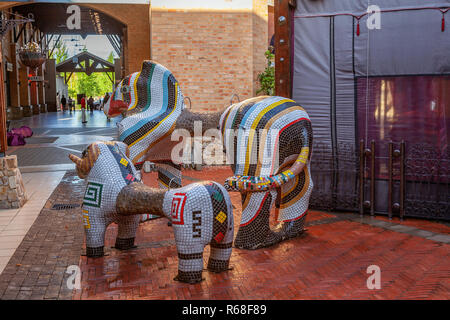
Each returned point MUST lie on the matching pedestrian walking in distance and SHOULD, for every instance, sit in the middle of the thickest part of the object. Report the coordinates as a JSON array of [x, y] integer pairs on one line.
[[63, 102], [83, 109]]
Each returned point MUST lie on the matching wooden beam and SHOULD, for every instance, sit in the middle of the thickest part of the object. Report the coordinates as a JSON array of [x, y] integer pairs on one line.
[[16, 37], [112, 80], [67, 79], [283, 18], [54, 47], [84, 70]]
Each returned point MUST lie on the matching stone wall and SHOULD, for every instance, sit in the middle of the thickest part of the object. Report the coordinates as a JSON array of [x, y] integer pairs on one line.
[[12, 191]]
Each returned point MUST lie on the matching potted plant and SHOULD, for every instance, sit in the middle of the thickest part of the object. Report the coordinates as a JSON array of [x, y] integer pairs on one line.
[[31, 55]]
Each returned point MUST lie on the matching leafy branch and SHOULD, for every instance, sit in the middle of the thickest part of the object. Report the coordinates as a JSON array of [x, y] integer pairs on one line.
[[267, 77]]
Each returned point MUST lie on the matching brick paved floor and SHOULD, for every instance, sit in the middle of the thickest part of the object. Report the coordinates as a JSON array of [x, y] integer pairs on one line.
[[37, 270], [328, 262]]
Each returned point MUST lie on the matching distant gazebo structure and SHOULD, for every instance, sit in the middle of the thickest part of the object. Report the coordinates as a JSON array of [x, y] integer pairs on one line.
[[88, 63]]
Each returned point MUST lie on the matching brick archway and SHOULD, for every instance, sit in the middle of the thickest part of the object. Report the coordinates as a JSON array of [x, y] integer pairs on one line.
[[136, 18]]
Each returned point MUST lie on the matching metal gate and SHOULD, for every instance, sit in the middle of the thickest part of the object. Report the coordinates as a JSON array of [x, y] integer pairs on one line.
[[393, 178], [335, 179]]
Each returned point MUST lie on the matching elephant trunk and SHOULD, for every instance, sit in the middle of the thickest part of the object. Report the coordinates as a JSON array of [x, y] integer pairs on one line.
[[137, 198], [250, 183]]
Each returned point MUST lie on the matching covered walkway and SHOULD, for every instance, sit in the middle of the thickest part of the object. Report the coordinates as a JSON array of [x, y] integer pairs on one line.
[[57, 134]]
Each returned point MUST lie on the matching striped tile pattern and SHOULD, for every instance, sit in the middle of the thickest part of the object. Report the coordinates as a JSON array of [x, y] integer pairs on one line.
[[273, 133], [152, 101]]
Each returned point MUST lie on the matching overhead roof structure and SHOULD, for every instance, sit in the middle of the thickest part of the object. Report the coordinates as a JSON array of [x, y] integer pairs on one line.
[[51, 18], [85, 62]]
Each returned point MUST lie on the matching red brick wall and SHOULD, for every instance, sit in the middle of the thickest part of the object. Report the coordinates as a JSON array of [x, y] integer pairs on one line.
[[213, 54], [260, 16], [271, 23]]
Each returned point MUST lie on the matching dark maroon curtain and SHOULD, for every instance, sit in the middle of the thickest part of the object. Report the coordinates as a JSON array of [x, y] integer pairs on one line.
[[415, 109]]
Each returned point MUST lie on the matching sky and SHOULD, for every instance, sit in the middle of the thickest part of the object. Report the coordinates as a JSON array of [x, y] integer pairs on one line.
[[95, 44]]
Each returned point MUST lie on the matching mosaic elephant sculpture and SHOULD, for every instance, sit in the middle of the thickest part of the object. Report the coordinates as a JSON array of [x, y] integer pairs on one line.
[[286, 181], [272, 141], [201, 213]]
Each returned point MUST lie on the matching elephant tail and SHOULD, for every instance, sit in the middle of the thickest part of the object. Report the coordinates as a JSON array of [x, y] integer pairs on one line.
[[253, 183]]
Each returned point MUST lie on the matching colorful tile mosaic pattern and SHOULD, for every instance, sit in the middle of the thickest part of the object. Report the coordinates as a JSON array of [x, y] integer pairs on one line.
[[106, 175], [271, 152], [201, 213], [152, 101]]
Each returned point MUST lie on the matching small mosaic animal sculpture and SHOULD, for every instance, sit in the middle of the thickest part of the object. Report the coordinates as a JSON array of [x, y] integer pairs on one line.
[[201, 213], [107, 169]]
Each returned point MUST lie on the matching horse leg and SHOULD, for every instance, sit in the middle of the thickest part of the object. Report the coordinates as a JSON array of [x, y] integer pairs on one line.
[[127, 232], [190, 262]]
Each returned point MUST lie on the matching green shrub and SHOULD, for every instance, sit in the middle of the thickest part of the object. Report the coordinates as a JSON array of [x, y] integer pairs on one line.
[[267, 77]]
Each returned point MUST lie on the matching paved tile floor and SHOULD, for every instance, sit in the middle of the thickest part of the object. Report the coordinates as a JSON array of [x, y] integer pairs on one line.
[[15, 223], [57, 134], [328, 262], [43, 161]]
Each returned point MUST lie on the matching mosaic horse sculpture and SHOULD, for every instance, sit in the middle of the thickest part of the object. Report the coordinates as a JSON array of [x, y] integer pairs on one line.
[[261, 185], [153, 107], [201, 213]]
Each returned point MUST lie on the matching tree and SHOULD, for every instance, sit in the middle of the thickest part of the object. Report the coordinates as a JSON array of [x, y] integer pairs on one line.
[[60, 53], [95, 85], [267, 78]]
